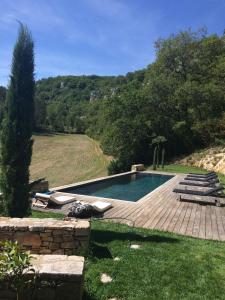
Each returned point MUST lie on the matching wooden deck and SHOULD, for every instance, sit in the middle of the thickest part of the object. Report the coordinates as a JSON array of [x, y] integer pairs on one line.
[[160, 210]]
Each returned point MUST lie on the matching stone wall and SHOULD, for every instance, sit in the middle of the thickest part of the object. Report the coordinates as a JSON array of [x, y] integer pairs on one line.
[[46, 236]]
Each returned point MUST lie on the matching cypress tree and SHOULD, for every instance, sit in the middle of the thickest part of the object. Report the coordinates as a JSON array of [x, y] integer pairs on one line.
[[16, 141]]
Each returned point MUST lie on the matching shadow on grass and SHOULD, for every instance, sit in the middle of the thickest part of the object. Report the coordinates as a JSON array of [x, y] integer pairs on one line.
[[47, 133], [86, 296], [105, 236], [100, 252]]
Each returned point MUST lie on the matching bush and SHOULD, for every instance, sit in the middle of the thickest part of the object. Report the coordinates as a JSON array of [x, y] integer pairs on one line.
[[118, 166], [14, 265], [219, 142]]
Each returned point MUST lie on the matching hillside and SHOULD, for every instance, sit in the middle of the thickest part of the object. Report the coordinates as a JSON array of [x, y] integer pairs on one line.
[[212, 159], [65, 159]]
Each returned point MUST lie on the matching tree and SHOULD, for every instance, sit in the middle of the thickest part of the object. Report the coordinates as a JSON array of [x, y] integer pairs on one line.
[[2, 100], [158, 142], [16, 142]]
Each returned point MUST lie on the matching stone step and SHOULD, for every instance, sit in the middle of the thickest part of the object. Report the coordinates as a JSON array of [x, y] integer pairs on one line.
[[59, 277]]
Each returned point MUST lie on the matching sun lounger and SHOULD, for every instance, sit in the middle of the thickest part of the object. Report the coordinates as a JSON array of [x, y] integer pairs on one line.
[[54, 198], [199, 191], [204, 199], [213, 177], [201, 194], [202, 175], [200, 183]]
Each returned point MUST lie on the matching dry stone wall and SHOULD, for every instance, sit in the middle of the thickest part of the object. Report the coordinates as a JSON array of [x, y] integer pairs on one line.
[[46, 236]]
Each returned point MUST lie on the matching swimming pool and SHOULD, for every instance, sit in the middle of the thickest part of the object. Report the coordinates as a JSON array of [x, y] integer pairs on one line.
[[130, 187]]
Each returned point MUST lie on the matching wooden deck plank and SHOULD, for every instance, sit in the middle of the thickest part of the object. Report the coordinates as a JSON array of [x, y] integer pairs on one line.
[[220, 226], [181, 218], [185, 222], [191, 220], [196, 226], [202, 226], [215, 231], [208, 222]]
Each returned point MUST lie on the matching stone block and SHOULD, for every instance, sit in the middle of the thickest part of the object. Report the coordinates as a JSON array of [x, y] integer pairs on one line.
[[28, 239], [82, 228], [45, 251], [54, 246], [69, 245], [138, 167], [67, 238], [47, 239], [58, 251], [57, 239]]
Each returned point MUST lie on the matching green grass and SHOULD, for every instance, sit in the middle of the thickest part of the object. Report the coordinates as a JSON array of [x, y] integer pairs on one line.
[[167, 266], [67, 158], [48, 214], [180, 169]]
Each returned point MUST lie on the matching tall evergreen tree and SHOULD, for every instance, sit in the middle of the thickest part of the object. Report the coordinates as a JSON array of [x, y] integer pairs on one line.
[[16, 141]]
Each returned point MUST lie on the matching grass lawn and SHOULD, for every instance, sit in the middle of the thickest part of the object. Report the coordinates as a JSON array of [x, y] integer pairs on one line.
[[167, 266], [67, 158]]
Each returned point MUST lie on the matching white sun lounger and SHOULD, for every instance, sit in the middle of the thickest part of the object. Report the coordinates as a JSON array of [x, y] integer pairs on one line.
[[54, 198], [58, 199]]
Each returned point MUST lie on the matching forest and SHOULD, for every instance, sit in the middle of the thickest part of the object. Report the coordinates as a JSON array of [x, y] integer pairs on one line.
[[177, 103]]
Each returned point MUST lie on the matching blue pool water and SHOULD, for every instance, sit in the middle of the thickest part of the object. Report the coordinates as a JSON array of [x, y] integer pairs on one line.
[[131, 187]]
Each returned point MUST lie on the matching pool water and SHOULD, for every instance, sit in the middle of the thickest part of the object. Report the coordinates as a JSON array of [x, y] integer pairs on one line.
[[131, 187]]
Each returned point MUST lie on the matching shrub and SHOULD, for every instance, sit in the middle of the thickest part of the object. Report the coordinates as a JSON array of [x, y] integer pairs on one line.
[[117, 166], [14, 265]]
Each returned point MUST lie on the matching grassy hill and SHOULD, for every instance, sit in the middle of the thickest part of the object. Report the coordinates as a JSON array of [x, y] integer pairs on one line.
[[67, 158]]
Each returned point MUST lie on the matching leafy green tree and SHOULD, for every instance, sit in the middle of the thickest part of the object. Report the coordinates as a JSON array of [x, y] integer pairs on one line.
[[16, 142]]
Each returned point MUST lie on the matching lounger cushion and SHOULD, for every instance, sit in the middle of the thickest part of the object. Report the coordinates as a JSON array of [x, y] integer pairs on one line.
[[62, 199], [100, 206]]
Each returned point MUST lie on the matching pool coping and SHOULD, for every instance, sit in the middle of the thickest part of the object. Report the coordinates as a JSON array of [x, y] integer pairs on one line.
[[81, 197]]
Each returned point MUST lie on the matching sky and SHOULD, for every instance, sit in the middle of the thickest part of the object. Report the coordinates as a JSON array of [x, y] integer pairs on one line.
[[103, 37]]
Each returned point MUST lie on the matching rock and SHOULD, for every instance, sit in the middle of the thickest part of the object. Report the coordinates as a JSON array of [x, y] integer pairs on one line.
[[117, 259], [134, 246], [105, 278]]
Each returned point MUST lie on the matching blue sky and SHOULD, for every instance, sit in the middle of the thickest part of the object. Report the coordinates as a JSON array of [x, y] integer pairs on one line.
[[103, 37]]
